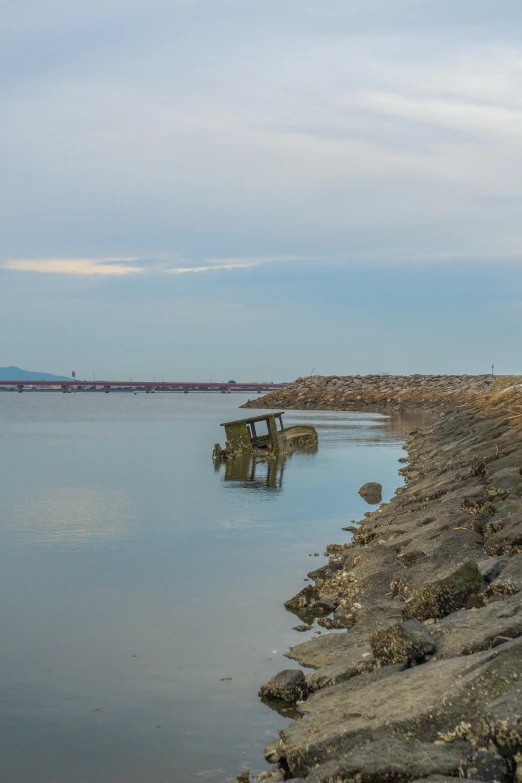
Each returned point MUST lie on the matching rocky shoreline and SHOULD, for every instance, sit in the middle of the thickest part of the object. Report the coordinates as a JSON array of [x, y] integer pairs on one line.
[[424, 682], [374, 392]]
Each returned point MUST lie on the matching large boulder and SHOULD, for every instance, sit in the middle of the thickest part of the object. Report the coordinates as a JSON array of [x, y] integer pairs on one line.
[[408, 642], [288, 686], [465, 632], [445, 595], [394, 760], [509, 581]]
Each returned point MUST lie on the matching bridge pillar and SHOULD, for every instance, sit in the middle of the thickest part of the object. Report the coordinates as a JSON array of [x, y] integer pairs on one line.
[[20, 388], [106, 389]]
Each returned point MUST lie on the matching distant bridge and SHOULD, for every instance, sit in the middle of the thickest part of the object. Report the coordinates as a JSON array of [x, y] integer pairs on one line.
[[146, 386]]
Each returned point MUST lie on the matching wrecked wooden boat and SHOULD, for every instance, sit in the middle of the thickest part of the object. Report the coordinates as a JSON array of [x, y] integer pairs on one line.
[[266, 434]]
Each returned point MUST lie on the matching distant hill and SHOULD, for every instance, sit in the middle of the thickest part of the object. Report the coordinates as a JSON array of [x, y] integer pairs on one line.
[[16, 374]]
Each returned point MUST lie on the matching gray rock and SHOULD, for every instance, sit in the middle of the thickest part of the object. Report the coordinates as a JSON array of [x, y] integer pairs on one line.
[[442, 779], [408, 642], [371, 492], [506, 712], [420, 701], [492, 567], [464, 632], [393, 760], [302, 628], [335, 657], [330, 624], [303, 599], [288, 685], [487, 766], [319, 574], [445, 595], [323, 606], [273, 751], [510, 580], [498, 640]]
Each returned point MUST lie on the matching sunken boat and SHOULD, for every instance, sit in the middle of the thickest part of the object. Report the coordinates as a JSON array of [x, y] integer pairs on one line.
[[266, 434]]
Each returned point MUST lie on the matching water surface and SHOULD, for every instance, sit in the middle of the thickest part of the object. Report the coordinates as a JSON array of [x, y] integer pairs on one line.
[[135, 579]]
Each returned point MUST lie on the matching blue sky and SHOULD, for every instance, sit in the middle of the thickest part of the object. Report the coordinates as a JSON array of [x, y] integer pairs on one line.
[[254, 189]]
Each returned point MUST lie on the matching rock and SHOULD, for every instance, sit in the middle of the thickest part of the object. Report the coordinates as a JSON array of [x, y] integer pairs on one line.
[[272, 776], [334, 658], [350, 529], [304, 599], [272, 751], [504, 717], [492, 567], [442, 779], [488, 766], [302, 628], [445, 595], [419, 701], [330, 624], [324, 606], [308, 603], [371, 492], [244, 776], [326, 571], [288, 686], [510, 580], [408, 642], [498, 640], [463, 632], [393, 760]]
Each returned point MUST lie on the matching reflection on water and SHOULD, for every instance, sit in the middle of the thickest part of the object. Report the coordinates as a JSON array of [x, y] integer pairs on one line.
[[73, 515], [252, 471]]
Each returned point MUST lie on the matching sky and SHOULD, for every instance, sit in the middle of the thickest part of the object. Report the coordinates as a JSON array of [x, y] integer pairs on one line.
[[260, 189]]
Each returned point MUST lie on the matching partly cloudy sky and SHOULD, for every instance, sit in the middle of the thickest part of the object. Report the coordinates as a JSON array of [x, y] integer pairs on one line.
[[252, 188]]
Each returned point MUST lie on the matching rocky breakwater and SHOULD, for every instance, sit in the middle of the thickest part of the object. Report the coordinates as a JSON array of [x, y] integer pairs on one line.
[[424, 682], [373, 392]]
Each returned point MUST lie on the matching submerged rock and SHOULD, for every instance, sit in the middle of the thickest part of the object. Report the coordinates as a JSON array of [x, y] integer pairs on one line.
[[288, 686], [371, 492]]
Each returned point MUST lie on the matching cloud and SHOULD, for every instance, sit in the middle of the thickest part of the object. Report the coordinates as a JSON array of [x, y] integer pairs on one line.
[[76, 266], [110, 267], [228, 264]]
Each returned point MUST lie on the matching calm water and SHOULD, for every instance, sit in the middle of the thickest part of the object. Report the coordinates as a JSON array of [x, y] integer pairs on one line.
[[134, 578]]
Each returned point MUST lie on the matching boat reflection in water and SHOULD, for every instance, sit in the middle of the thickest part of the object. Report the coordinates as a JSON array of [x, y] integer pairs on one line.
[[252, 471], [256, 449]]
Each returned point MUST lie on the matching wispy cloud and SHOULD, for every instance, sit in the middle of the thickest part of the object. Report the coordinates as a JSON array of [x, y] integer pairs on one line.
[[100, 267], [76, 266], [229, 264]]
